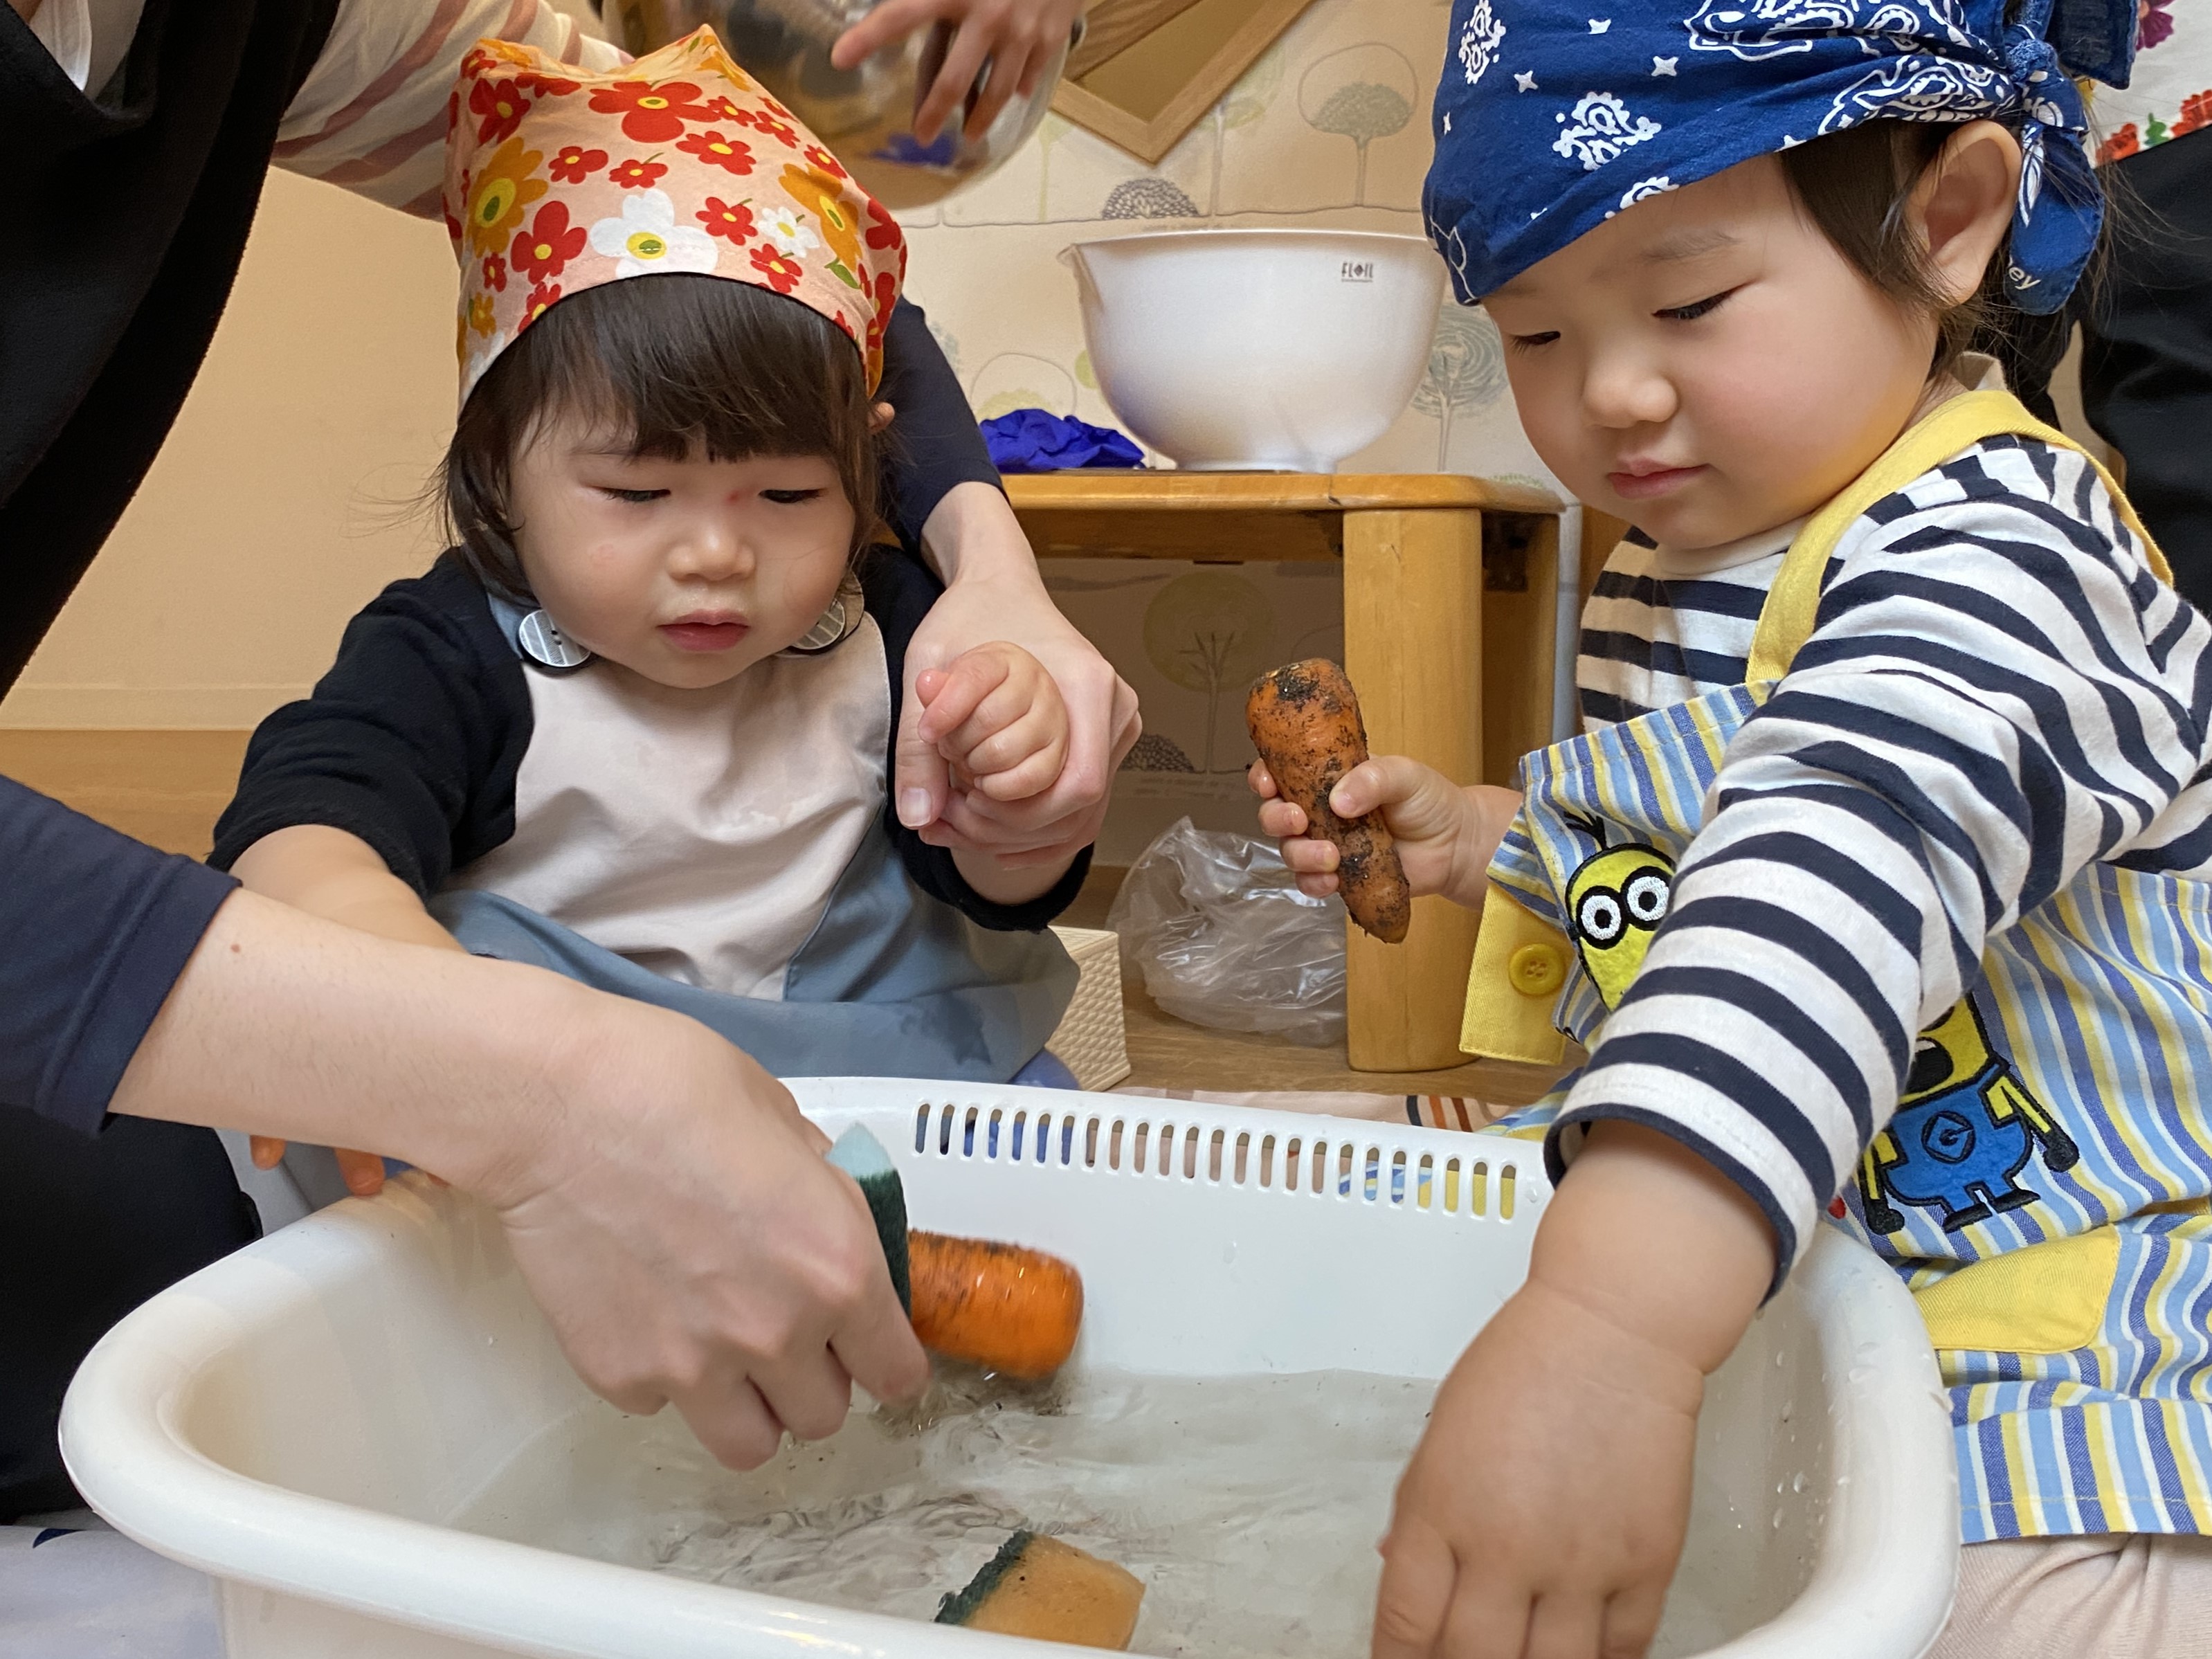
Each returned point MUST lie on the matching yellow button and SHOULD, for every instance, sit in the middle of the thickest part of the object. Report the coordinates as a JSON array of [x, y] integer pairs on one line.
[[1537, 970]]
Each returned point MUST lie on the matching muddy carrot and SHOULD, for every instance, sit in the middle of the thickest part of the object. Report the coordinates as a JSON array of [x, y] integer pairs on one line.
[[1000, 1306], [1304, 720]]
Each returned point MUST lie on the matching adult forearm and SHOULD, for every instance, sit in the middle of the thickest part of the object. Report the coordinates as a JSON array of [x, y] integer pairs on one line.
[[973, 535], [287, 1024]]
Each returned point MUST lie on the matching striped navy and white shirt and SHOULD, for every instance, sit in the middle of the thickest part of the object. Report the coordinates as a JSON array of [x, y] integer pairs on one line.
[[1997, 692]]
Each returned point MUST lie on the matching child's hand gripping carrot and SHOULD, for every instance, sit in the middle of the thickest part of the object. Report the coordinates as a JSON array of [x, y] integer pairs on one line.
[[1446, 833]]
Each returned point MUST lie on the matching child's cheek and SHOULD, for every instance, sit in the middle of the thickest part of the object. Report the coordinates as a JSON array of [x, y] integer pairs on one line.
[[1546, 396]]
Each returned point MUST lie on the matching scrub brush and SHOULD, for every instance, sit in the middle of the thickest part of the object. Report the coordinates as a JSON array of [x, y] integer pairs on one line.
[[1004, 1308], [1051, 1591]]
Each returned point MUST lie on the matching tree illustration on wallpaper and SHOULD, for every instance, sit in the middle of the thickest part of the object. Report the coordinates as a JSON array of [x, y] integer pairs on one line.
[[1466, 371], [1361, 93], [1020, 380], [1211, 633], [1050, 131], [1148, 196], [1248, 101]]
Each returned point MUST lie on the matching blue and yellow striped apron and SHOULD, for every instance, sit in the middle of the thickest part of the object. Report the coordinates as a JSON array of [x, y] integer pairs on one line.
[[2043, 1188]]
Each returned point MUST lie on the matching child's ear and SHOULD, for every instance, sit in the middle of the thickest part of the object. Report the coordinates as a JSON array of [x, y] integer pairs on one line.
[[880, 417], [1963, 205]]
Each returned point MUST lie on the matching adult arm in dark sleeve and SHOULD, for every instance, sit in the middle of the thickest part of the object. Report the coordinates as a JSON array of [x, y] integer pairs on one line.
[[98, 928], [411, 742], [934, 443]]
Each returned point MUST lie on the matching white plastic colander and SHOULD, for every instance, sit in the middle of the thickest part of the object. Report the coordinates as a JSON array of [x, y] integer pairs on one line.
[[303, 1418]]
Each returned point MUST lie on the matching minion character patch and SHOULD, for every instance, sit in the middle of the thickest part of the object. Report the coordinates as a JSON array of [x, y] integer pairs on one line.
[[1965, 1128], [1615, 901]]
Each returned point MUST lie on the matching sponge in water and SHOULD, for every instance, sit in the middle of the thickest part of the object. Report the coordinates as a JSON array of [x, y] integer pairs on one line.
[[1050, 1591]]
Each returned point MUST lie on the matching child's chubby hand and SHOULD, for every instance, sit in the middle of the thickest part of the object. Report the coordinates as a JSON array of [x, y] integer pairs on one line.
[[1447, 833], [996, 717], [1545, 1508], [1543, 1511]]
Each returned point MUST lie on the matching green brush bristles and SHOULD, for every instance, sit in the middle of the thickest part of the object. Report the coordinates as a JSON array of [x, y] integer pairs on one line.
[[862, 1157], [959, 1607]]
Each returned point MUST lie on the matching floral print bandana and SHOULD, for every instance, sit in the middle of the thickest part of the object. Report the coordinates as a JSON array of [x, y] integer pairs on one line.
[[557, 180], [1551, 117]]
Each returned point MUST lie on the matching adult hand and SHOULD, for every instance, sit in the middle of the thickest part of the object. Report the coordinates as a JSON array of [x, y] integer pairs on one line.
[[995, 593], [1017, 38], [693, 1246], [667, 1205]]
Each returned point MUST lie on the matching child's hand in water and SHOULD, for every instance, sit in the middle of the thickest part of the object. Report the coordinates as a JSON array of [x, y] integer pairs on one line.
[[997, 718], [1017, 36], [1446, 832], [1543, 1512]]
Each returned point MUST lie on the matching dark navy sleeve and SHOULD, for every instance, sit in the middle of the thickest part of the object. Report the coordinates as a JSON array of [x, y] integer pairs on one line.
[[900, 590], [412, 742], [934, 443], [98, 927]]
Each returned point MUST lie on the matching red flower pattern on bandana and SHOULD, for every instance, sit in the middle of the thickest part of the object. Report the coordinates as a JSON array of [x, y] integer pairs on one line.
[[575, 164], [634, 174], [769, 127], [651, 113], [781, 273], [500, 104], [543, 251], [732, 221], [716, 150], [594, 178], [541, 298]]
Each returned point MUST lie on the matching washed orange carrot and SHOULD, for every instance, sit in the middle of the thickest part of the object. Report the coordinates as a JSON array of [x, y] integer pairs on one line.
[[1001, 1306], [1304, 720]]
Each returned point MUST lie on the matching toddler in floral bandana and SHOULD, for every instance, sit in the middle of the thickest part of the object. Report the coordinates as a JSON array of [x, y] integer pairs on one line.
[[1872, 885], [636, 726]]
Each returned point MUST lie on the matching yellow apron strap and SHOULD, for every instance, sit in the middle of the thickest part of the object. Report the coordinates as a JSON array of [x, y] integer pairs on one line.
[[1786, 621], [1521, 964]]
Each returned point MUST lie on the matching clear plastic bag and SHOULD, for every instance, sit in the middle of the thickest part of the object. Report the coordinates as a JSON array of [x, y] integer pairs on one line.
[[1214, 925]]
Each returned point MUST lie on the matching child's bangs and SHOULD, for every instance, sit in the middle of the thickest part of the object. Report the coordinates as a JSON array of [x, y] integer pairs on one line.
[[679, 366]]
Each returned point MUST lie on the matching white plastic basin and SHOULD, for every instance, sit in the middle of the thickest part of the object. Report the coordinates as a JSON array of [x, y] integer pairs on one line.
[[303, 1419], [1263, 350]]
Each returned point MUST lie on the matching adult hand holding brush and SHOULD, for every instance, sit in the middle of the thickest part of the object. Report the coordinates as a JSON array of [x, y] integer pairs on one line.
[[1003, 1307]]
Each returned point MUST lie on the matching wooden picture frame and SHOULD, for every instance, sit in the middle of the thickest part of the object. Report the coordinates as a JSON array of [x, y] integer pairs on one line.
[[1132, 46]]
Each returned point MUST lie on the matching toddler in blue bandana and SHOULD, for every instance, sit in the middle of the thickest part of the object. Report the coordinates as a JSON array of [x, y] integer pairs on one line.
[[1905, 743]]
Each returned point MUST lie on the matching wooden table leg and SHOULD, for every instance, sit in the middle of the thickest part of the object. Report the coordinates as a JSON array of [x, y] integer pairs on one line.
[[1413, 645]]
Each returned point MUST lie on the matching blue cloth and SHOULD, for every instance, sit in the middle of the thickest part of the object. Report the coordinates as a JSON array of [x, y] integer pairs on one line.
[[1030, 440], [1552, 119]]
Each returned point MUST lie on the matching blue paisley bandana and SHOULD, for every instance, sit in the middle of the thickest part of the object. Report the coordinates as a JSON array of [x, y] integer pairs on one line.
[[1551, 118]]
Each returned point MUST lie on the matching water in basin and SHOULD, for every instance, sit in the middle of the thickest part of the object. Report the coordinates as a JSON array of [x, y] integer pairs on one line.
[[1249, 1506]]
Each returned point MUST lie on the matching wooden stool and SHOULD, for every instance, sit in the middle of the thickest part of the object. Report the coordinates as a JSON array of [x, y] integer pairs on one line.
[[1450, 608]]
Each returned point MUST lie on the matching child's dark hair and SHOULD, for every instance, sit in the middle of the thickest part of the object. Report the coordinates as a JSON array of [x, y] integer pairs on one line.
[[1855, 185], [668, 367]]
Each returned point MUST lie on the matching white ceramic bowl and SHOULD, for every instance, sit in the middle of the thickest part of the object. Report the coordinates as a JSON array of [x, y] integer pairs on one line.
[[1258, 350]]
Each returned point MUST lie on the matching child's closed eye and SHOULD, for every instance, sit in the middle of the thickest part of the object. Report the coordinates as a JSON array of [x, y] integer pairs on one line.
[[1695, 309], [635, 497], [1530, 342], [790, 497]]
